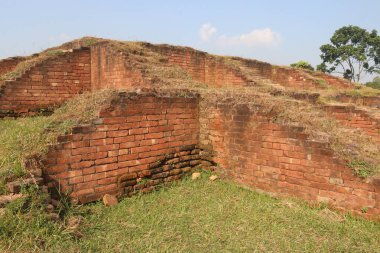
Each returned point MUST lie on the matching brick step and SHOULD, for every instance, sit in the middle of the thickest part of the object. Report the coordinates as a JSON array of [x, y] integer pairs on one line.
[[370, 101], [352, 117]]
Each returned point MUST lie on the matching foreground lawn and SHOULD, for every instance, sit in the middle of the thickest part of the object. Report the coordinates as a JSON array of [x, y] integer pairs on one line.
[[199, 216]]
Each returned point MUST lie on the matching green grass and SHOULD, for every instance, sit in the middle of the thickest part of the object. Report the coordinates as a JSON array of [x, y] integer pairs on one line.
[[195, 216], [18, 138]]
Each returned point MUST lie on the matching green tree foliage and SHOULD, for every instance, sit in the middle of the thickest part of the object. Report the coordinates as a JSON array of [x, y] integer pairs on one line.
[[375, 83], [352, 52], [302, 65]]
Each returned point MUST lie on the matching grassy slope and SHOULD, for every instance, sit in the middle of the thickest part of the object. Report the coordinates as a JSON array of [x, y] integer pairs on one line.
[[197, 216], [26, 136]]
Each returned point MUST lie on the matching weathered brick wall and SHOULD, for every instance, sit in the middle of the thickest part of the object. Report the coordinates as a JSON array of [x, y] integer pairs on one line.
[[9, 64], [351, 117], [290, 77], [138, 142], [251, 150], [360, 100], [48, 84], [110, 69], [201, 66], [333, 80]]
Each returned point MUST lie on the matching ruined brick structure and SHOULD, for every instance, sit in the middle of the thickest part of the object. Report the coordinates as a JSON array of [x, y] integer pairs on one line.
[[144, 139], [279, 159], [47, 84], [138, 142]]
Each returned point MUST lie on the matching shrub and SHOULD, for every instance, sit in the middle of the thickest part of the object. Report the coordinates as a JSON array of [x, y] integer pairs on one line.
[[302, 65]]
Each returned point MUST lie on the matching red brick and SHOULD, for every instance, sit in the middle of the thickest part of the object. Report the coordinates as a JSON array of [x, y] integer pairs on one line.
[[106, 167], [107, 147], [106, 160], [124, 139], [81, 165], [85, 150]]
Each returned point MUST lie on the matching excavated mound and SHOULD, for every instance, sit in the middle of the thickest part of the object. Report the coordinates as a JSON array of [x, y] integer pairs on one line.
[[278, 129]]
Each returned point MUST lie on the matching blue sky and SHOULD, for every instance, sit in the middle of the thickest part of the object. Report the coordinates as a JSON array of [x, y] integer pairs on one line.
[[279, 32]]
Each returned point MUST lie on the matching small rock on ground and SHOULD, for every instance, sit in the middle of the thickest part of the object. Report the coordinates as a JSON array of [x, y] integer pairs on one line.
[[195, 175], [213, 177], [110, 200]]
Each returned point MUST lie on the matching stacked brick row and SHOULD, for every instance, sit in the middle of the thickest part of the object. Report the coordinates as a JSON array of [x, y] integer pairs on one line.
[[47, 84], [137, 143], [355, 118], [360, 100], [281, 160], [201, 66]]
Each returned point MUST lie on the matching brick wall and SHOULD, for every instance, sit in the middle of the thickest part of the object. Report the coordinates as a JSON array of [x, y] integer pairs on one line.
[[360, 100], [290, 77], [109, 69], [355, 118], [46, 85], [251, 150], [333, 80], [212, 71], [201, 66], [9, 64], [138, 142]]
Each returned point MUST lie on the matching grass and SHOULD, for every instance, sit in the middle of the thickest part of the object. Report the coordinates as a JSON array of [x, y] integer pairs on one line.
[[192, 216], [18, 138], [28, 136]]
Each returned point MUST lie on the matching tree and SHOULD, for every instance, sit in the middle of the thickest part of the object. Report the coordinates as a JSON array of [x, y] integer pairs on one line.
[[302, 65], [352, 52]]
